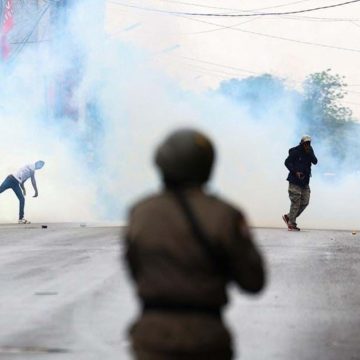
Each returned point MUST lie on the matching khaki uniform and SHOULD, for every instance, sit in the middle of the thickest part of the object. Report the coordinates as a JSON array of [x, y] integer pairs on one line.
[[181, 287]]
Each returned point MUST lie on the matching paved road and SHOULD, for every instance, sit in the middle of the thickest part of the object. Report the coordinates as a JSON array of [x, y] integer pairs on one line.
[[63, 289]]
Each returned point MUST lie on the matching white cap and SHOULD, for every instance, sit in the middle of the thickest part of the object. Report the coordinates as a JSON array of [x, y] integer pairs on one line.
[[306, 138]]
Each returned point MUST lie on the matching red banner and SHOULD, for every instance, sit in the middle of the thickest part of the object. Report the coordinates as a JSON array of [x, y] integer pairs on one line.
[[8, 23]]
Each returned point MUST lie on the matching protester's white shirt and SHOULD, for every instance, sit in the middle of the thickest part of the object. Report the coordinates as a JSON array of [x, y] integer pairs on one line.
[[24, 173]]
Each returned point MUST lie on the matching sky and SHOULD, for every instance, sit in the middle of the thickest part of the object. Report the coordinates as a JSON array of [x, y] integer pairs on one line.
[[201, 51]]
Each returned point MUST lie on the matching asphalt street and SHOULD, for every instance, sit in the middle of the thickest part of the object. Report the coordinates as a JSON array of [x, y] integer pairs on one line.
[[65, 295]]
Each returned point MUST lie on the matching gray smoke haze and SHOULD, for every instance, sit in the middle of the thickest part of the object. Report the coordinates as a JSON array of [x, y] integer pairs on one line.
[[98, 165]]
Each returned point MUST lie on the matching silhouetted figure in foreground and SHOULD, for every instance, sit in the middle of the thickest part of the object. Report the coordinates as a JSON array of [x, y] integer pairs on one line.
[[16, 182], [183, 248], [299, 165]]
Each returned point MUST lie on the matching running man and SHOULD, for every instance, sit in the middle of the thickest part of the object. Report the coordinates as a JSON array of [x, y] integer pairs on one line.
[[299, 164], [16, 182]]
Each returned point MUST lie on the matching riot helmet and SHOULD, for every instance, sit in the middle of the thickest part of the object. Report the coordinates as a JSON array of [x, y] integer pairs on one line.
[[185, 157]]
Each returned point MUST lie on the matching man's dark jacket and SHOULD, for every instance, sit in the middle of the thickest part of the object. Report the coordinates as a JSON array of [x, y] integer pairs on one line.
[[300, 161]]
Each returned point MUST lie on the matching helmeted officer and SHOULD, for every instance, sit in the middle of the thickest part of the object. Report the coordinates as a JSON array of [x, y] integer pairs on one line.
[[183, 247]]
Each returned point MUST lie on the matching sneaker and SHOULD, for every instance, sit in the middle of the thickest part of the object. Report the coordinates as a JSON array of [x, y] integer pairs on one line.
[[286, 219], [24, 221], [293, 228]]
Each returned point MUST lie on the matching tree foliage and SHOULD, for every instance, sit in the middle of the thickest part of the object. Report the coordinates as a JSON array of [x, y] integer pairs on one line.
[[324, 117], [256, 93], [323, 93]]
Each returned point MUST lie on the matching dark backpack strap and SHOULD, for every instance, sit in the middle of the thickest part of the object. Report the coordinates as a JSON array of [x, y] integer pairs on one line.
[[199, 233]]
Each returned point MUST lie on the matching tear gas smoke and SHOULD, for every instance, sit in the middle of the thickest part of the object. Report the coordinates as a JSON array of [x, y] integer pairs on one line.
[[99, 164]]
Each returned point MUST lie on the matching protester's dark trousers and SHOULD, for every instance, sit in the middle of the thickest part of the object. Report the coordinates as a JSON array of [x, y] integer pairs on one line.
[[11, 183]]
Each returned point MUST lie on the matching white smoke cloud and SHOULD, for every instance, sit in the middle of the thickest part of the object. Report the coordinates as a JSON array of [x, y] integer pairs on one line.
[[137, 105]]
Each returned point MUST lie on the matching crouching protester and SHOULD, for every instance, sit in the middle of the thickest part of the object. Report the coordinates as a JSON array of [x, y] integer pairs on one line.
[[183, 247]]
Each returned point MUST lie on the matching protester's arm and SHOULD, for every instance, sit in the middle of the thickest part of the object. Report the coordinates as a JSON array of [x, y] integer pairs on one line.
[[246, 264], [289, 163], [33, 182], [314, 159]]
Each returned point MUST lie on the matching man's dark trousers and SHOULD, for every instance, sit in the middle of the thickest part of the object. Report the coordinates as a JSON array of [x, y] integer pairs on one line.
[[299, 197], [11, 183]]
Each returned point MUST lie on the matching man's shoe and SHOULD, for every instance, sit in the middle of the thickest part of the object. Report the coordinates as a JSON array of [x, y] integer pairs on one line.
[[24, 221], [293, 228], [286, 219]]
